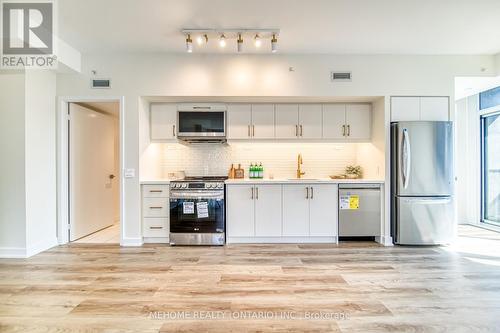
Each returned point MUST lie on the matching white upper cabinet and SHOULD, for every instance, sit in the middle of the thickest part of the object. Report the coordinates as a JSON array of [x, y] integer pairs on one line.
[[334, 121], [287, 121], [323, 210], [434, 108], [263, 121], [163, 121], [358, 121], [310, 120], [296, 210], [419, 108], [240, 211], [268, 210], [239, 121]]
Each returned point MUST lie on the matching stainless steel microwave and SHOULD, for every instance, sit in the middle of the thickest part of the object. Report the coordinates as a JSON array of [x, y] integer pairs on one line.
[[201, 121]]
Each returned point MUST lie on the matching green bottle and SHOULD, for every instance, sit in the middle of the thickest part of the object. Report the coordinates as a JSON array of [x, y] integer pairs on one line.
[[251, 171], [261, 171]]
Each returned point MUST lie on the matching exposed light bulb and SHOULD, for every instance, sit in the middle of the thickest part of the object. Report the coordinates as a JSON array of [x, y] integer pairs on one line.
[[240, 43], [222, 41], [258, 41], [274, 44], [189, 44]]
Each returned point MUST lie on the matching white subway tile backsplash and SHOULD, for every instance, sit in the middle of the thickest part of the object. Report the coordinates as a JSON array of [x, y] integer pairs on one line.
[[279, 159]]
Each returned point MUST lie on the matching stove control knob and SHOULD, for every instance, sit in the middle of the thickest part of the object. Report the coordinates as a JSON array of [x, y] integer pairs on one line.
[[184, 185], [220, 185], [209, 185]]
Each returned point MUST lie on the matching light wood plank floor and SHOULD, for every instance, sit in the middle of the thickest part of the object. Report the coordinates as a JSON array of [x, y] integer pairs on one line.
[[353, 287], [109, 235]]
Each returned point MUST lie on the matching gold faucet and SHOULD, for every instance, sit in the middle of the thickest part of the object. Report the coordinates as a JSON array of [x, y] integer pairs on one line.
[[299, 162]]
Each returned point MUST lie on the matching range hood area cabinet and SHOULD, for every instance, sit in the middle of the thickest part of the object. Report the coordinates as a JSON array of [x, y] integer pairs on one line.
[[163, 122], [284, 121]]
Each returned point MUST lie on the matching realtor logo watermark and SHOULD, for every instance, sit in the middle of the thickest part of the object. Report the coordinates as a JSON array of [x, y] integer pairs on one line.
[[27, 35]]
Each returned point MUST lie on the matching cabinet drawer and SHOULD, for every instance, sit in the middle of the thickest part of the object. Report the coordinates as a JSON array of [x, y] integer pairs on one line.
[[155, 191], [155, 207], [155, 227]]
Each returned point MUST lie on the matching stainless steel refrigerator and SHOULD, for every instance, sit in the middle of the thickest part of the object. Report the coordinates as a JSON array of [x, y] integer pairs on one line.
[[422, 176]]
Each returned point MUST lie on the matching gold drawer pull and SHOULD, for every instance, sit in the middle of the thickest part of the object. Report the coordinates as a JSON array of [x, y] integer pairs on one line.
[[155, 191], [155, 207], [155, 227]]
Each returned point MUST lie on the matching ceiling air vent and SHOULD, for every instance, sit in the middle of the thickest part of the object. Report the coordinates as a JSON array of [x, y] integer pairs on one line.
[[341, 76], [100, 83]]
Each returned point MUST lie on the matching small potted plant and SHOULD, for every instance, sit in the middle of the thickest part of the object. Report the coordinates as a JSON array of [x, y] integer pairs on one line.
[[353, 172]]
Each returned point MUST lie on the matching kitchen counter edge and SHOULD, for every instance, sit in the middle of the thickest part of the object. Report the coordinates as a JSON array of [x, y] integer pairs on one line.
[[304, 181]]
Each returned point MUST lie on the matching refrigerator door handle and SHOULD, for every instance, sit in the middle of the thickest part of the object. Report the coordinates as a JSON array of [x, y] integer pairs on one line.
[[405, 155], [432, 201]]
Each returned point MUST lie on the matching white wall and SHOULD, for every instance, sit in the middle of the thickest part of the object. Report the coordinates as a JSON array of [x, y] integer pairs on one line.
[[40, 136], [28, 166], [139, 75], [12, 195]]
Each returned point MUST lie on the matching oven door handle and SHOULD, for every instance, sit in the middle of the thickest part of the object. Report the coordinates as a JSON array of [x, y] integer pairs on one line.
[[197, 195]]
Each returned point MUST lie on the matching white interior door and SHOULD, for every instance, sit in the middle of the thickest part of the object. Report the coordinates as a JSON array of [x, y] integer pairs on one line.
[[91, 162]]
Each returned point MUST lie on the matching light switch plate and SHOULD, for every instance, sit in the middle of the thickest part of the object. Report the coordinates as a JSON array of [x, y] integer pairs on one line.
[[129, 173]]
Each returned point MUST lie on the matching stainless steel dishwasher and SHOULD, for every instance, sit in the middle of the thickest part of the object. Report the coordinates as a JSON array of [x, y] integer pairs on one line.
[[359, 210]]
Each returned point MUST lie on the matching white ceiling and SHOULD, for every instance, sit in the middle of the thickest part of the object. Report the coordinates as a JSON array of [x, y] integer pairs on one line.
[[314, 26]]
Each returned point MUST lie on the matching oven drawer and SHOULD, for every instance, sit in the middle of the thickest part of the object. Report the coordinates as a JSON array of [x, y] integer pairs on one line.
[[155, 207], [155, 191], [155, 227]]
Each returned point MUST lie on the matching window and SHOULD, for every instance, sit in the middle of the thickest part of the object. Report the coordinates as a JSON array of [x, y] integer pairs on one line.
[[490, 168]]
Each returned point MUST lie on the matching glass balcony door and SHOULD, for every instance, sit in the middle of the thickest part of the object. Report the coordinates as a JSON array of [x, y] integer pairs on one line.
[[490, 168]]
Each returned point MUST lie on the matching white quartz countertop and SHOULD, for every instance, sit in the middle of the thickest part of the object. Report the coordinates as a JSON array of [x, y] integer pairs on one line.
[[156, 181], [304, 181]]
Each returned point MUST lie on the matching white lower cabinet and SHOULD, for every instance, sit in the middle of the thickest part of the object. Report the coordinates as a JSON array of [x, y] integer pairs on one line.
[[281, 213], [268, 210], [155, 213], [296, 210], [240, 210], [323, 212]]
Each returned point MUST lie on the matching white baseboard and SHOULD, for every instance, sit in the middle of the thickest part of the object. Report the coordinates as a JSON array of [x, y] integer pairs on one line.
[[281, 240], [384, 240], [12, 252], [158, 240], [131, 242]]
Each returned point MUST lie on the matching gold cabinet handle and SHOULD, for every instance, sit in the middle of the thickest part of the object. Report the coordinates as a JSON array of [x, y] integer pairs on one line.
[[252, 193], [257, 193], [307, 192], [155, 228], [253, 130], [249, 134], [300, 130], [296, 130], [173, 130], [312, 192], [343, 130], [155, 191], [348, 130], [155, 207]]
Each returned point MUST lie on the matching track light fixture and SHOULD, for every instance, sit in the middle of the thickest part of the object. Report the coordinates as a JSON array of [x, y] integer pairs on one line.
[[239, 42], [274, 44], [222, 41], [258, 42], [258, 35], [202, 39], [189, 44]]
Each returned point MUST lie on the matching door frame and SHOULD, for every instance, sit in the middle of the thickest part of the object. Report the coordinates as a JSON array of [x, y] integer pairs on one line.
[[63, 161]]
